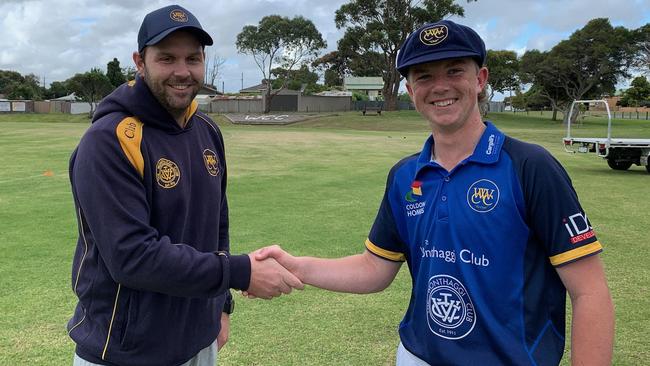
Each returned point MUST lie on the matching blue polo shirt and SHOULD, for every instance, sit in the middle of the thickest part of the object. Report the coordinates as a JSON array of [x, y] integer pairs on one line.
[[482, 243]]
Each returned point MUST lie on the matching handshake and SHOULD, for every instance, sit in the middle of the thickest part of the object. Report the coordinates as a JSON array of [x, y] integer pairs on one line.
[[273, 272]]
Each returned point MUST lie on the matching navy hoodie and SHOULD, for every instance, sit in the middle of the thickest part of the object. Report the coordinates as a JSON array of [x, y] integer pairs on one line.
[[151, 268]]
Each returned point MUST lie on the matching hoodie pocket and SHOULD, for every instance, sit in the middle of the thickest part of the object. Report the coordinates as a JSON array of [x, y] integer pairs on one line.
[[130, 321]]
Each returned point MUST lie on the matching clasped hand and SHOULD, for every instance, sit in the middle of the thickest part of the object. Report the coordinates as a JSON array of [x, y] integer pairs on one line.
[[270, 278]]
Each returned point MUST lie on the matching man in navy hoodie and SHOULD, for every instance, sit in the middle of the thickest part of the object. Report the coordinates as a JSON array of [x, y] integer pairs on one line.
[[152, 268]]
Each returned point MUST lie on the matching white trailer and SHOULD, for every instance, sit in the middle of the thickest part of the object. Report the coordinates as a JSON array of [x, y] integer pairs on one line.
[[620, 153]]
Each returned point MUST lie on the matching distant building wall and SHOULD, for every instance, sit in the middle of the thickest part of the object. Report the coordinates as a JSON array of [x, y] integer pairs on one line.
[[314, 103], [79, 107], [284, 103], [43, 107], [496, 106], [233, 106], [17, 106]]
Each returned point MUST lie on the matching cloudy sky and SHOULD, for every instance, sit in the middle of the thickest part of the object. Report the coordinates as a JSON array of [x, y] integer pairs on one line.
[[56, 39]]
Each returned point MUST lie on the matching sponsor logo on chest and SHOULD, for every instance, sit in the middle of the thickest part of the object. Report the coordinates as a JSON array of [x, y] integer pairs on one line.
[[414, 207], [464, 256]]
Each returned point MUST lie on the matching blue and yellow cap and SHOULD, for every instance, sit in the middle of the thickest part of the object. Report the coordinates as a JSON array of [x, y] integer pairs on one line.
[[160, 23], [440, 41]]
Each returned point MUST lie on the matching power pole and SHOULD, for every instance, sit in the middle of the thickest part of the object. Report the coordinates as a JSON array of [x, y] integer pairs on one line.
[[242, 80]]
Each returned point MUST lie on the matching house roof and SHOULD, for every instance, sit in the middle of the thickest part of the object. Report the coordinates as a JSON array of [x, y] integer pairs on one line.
[[209, 90], [255, 88], [261, 89], [363, 83], [70, 97]]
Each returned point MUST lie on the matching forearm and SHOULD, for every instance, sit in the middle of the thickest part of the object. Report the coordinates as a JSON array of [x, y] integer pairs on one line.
[[361, 273], [592, 330]]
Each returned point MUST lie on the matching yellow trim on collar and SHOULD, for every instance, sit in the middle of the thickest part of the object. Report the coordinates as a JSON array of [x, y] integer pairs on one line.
[[189, 112]]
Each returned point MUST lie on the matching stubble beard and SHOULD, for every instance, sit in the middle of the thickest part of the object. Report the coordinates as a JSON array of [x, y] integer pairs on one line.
[[174, 106]]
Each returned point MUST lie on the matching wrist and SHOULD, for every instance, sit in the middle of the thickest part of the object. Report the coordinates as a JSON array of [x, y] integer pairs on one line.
[[229, 306]]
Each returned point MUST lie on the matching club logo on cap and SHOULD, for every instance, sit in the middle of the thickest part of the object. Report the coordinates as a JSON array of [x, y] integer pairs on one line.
[[433, 35], [178, 15]]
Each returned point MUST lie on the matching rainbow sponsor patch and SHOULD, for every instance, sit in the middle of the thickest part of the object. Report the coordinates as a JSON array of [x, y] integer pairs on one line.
[[416, 189], [416, 186]]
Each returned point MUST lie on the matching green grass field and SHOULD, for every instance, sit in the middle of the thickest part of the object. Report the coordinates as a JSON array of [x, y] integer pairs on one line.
[[313, 187]]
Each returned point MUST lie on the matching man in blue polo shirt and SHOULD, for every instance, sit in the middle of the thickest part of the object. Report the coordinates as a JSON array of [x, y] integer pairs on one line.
[[491, 229]]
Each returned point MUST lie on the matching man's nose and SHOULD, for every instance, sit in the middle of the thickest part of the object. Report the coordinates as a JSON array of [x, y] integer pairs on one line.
[[181, 69], [439, 84]]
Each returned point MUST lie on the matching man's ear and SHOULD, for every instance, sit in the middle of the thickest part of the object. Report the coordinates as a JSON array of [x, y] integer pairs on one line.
[[409, 89], [139, 62], [483, 75]]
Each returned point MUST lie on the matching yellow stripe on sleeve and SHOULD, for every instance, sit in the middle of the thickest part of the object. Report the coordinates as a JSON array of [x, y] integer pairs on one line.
[[576, 253], [387, 254], [129, 133]]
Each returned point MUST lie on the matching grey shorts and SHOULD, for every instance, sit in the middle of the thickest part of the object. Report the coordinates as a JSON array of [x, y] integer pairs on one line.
[[406, 358], [206, 357]]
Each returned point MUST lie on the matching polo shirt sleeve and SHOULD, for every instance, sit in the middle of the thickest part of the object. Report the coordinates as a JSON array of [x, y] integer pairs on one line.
[[555, 215], [384, 239]]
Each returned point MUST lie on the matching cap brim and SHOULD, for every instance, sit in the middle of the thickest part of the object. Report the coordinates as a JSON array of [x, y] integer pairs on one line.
[[202, 35], [437, 56]]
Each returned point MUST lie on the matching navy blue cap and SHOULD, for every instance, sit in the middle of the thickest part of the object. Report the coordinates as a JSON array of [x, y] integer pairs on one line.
[[160, 23], [440, 41]]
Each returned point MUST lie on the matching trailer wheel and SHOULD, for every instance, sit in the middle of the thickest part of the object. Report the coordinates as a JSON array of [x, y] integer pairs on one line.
[[647, 167], [621, 165]]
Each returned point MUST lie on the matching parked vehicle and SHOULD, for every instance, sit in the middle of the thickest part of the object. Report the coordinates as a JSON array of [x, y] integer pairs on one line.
[[620, 153]]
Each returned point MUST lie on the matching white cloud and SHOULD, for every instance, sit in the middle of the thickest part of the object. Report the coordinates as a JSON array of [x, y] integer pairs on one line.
[[55, 40]]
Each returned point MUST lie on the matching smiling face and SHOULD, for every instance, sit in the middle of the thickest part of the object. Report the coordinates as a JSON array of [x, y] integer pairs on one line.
[[446, 92], [173, 69]]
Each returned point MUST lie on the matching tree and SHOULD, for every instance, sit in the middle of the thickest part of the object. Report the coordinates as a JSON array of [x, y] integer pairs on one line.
[[213, 68], [519, 101], [24, 91], [16, 86], [58, 89], [9, 78], [280, 42], [504, 69], [333, 67], [638, 94], [129, 72], [90, 86], [544, 79], [27, 87], [381, 26], [642, 43], [114, 73], [301, 79], [587, 65]]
